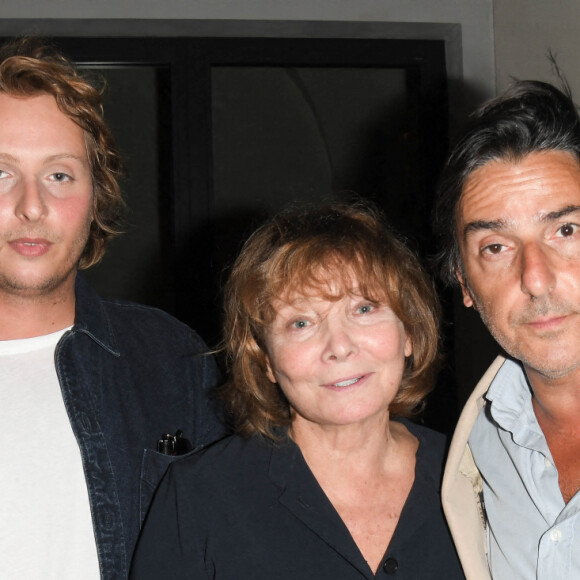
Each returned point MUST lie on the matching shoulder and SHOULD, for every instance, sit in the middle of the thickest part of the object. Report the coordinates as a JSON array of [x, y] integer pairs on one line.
[[110, 320], [432, 449], [150, 328], [430, 439], [232, 457], [142, 315]]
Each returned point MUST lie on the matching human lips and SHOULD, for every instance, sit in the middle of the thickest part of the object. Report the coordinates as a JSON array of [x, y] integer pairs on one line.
[[547, 322], [546, 319], [347, 383], [545, 314], [30, 247]]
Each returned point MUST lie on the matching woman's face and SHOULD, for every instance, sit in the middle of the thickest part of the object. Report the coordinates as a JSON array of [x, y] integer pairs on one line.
[[338, 362]]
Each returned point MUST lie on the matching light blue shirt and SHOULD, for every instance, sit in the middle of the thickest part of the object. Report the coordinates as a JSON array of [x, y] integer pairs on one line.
[[532, 533]]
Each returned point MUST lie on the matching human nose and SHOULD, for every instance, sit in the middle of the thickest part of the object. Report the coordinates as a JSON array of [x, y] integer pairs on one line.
[[538, 275], [340, 342], [30, 205]]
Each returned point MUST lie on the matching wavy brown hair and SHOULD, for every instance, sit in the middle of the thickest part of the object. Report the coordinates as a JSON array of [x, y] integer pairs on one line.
[[298, 251], [30, 67]]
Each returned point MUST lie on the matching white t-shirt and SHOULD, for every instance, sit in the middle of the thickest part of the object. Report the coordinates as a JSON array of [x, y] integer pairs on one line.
[[45, 521]]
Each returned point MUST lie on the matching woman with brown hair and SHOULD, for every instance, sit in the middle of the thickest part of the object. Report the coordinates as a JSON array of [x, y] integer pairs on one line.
[[331, 334]]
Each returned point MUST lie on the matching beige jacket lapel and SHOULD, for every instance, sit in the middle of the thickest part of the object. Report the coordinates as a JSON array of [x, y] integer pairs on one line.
[[462, 486]]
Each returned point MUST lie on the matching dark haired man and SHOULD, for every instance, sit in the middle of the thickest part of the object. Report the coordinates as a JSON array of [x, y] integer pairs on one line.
[[508, 215], [88, 385]]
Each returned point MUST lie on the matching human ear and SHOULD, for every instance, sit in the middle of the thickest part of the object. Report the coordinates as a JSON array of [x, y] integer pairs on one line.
[[269, 371], [408, 347], [467, 297]]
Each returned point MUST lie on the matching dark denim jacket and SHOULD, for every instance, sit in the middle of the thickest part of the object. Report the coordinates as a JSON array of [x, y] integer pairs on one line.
[[128, 374]]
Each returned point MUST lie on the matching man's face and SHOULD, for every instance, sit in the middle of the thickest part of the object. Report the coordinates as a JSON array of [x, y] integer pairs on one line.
[[518, 226], [45, 196]]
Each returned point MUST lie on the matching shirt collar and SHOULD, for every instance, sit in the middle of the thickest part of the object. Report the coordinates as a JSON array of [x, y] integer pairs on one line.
[[510, 398]]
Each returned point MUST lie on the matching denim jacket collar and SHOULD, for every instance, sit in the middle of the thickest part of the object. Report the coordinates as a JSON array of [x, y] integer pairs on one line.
[[92, 319]]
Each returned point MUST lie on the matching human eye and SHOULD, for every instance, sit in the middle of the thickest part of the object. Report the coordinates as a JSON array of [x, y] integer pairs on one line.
[[59, 177], [365, 308], [566, 230], [493, 249], [6, 174], [300, 323], [6, 180]]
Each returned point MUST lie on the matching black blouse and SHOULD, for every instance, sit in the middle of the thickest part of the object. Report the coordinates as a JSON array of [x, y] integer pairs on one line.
[[250, 509]]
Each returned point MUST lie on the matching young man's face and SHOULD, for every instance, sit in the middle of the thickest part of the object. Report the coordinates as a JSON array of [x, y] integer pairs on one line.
[[519, 237], [45, 196]]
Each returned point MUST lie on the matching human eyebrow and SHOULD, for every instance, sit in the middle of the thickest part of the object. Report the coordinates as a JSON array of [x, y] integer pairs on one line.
[[478, 225], [64, 156], [500, 224], [8, 158], [556, 215]]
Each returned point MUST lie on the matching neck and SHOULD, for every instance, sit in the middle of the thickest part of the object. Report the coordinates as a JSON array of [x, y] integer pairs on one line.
[[352, 446], [556, 402], [25, 316], [557, 409], [557, 413]]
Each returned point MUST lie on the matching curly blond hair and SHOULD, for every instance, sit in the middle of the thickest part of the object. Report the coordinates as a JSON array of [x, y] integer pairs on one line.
[[29, 67]]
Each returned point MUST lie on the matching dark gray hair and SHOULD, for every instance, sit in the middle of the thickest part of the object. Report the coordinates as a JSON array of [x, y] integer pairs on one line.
[[530, 116]]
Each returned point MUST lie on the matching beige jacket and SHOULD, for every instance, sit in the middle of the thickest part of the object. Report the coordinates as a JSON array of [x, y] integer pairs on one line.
[[462, 485]]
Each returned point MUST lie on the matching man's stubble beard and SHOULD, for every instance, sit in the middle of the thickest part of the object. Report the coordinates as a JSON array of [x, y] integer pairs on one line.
[[552, 367], [48, 286]]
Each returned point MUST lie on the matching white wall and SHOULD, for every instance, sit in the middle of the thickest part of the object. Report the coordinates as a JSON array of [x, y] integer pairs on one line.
[[471, 65], [526, 29], [465, 25]]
